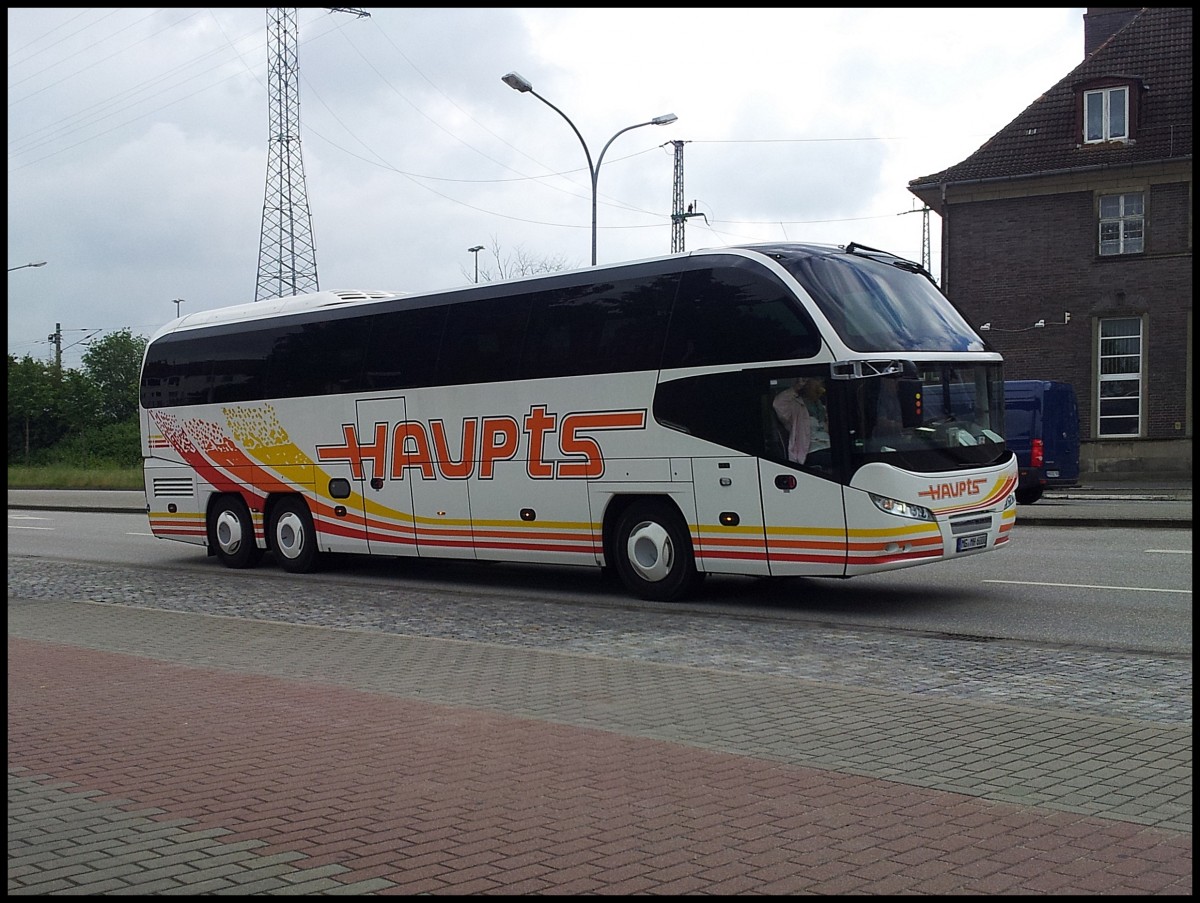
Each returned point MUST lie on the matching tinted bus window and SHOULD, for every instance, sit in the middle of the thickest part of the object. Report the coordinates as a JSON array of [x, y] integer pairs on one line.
[[322, 358], [736, 313], [402, 348], [482, 341], [177, 371], [239, 364], [610, 327]]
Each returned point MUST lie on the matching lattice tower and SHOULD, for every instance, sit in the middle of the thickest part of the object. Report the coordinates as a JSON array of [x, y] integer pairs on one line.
[[287, 256]]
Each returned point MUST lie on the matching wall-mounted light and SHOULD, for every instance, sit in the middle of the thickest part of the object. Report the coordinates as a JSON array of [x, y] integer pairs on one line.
[[985, 327]]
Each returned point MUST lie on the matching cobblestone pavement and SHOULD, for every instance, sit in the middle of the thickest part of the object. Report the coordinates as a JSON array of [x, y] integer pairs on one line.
[[307, 737]]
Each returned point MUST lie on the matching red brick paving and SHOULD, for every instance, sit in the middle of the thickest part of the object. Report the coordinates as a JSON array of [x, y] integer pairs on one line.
[[438, 799]]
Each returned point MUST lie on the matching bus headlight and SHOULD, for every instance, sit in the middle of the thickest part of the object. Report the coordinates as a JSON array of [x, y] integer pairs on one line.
[[901, 509]]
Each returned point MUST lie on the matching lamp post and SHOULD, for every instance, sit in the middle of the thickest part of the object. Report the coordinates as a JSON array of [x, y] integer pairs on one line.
[[475, 250], [518, 83], [40, 263], [177, 302]]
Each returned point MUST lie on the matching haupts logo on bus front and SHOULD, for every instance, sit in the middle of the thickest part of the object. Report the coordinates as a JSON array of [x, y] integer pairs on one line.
[[939, 492], [425, 447]]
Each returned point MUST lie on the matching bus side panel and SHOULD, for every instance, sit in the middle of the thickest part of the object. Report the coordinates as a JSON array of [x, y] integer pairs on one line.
[[728, 533], [518, 518], [173, 503], [806, 525], [267, 448]]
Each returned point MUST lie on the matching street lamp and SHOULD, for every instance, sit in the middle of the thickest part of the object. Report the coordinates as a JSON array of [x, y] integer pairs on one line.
[[475, 250], [177, 302], [518, 83], [40, 263]]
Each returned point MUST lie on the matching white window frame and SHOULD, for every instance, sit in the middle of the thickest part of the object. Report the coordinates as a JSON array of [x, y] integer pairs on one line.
[[1106, 115], [1122, 226], [1119, 385]]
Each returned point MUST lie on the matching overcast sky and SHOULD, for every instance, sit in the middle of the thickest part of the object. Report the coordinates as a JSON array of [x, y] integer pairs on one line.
[[137, 141]]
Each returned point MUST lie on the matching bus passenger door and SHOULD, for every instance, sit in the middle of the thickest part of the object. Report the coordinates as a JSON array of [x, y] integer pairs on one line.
[[729, 536], [387, 504], [805, 522]]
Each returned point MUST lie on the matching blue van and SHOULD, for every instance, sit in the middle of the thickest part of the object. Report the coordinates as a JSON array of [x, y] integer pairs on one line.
[[1041, 425]]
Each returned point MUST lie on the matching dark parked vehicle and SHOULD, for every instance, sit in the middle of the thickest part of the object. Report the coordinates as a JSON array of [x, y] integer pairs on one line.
[[1041, 422]]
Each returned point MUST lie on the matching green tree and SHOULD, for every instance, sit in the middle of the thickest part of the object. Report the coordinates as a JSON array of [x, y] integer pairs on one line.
[[33, 423], [113, 365]]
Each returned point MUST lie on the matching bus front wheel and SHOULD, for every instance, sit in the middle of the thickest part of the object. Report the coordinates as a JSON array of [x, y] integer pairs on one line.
[[654, 552], [231, 533], [293, 537]]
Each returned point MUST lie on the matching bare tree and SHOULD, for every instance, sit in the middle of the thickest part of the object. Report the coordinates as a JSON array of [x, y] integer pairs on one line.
[[514, 264]]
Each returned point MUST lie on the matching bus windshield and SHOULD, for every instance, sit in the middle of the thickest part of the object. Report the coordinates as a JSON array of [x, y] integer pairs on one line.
[[880, 305], [944, 416]]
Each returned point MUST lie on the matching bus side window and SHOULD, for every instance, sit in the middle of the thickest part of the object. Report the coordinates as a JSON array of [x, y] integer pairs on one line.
[[239, 365], [316, 358], [733, 314], [611, 327], [402, 348], [483, 340]]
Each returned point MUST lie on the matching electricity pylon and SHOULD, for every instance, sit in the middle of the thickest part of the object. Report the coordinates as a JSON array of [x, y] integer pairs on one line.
[[926, 260], [287, 257], [679, 216]]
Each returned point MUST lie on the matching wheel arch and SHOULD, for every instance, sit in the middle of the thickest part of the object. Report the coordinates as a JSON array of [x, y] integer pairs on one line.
[[272, 501], [217, 496], [621, 502]]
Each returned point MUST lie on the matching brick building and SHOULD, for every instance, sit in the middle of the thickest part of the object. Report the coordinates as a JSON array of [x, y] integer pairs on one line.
[[1068, 238]]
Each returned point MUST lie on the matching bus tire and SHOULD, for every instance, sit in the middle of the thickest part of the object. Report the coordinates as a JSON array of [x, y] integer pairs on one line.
[[231, 533], [293, 537], [653, 552], [1028, 496]]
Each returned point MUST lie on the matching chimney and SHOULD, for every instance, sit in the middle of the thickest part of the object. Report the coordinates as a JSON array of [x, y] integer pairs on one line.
[[1101, 23]]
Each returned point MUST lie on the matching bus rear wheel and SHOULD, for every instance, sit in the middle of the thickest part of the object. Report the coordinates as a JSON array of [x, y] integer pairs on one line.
[[293, 537], [231, 533], [654, 552]]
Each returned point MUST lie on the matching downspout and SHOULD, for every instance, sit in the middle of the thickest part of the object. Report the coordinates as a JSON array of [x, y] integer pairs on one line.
[[945, 244]]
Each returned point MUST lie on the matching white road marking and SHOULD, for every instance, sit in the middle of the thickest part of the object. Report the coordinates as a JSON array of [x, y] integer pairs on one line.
[[1139, 589]]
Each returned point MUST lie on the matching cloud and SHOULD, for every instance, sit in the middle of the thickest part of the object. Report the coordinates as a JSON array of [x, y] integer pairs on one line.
[[138, 139]]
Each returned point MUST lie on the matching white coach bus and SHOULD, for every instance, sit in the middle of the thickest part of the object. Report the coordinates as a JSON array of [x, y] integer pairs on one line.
[[771, 410]]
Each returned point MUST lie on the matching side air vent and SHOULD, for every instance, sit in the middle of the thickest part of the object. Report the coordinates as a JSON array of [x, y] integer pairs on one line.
[[365, 296], [173, 488]]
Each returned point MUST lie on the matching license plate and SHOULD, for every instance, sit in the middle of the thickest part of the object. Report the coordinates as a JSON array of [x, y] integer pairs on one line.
[[966, 543], [1052, 474]]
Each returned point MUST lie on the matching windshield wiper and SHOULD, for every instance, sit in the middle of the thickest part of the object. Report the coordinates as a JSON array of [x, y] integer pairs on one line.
[[910, 266]]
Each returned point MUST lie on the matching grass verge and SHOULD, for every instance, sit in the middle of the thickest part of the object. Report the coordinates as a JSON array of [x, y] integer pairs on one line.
[[65, 476]]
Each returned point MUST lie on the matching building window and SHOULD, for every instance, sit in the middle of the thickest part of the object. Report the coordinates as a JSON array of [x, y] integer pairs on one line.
[[1106, 115], [1122, 224], [1120, 388]]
